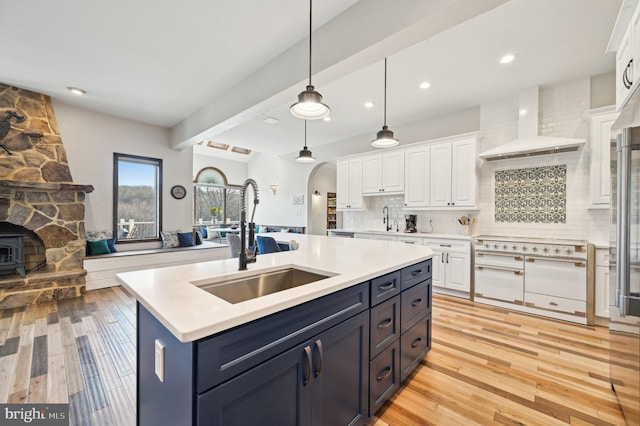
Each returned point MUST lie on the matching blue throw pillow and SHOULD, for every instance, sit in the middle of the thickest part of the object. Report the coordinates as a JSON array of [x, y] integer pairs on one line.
[[257, 229], [111, 243], [186, 239], [98, 247], [204, 232], [198, 238]]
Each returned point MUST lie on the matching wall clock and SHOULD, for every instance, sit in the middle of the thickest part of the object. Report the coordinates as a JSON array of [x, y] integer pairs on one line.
[[178, 192]]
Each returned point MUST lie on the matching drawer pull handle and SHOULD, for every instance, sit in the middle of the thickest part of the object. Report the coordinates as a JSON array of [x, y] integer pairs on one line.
[[416, 342], [416, 302], [385, 287], [385, 373], [517, 272], [518, 258], [319, 346], [479, 254], [307, 379], [553, 303], [580, 264], [416, 273], [445, 245], [385, 323]]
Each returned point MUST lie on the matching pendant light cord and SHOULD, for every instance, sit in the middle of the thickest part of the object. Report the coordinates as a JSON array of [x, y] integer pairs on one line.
[[305, 134], [310, 32], [385, 92]]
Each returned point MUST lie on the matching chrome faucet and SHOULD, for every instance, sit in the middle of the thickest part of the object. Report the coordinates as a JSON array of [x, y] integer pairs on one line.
[[385, 219], [247, 256]]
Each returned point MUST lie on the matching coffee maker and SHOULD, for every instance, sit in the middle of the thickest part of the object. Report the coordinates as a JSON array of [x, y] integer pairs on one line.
[[410, 223]]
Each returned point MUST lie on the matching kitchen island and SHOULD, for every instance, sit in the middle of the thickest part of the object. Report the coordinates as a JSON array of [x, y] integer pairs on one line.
[[327, 352]]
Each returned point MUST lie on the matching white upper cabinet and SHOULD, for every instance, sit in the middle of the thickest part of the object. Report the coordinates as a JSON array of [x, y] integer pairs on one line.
[[463, 172], [416, 172], [452, 173], [600, 156], [440, 175], [625, 41], [437, 175], [383, 173], [349, 184]]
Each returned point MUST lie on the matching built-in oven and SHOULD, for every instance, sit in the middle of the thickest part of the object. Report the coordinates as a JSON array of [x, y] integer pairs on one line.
[[499, 276], [546, 277]]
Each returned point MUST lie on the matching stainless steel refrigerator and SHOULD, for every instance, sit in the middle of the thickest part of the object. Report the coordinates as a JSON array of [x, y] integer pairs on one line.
[[624, 324]]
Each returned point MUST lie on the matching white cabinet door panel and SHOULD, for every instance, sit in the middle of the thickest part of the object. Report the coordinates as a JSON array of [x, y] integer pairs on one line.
[[372, 174], [463, 169], [457, 274], [440, 175], [342, 184], [416, 192], [438, 269], [355, 184], [393, 172], [599, 158]]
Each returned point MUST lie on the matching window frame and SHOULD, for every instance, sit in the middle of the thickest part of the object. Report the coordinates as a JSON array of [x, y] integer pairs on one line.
[[225, 188], [139, 159]]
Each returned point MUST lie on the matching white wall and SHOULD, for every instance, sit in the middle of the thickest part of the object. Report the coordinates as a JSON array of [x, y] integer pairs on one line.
[[323, 180], [90, 139], [292, 179], [235, 171]]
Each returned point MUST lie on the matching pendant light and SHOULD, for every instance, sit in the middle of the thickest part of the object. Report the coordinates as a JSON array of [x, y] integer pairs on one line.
[[385, 137], [305, 155], [309, 105]]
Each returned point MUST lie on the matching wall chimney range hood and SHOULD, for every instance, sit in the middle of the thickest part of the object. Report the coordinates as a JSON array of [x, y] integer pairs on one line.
[[529, 142]]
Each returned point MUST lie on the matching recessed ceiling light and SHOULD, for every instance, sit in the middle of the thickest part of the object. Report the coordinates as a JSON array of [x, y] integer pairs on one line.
[[507, 58], [368, 104], [327, 119], [271, 120], [522, 112], [76, 91], [425, 85]]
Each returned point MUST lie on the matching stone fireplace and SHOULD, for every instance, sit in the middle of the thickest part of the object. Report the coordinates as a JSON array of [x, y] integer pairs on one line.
[[39, 201]]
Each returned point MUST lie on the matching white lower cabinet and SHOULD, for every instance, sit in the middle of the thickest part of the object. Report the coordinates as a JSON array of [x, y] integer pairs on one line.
[[451, 266], [603, 289]]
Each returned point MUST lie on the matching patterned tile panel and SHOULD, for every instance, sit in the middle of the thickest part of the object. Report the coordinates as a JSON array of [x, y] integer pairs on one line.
[[532, 195]]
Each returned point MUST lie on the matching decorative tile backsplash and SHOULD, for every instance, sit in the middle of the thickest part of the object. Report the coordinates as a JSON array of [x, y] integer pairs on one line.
[[532, 195]]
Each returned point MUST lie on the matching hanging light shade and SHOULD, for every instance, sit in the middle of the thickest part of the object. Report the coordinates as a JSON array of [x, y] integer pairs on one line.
[[384, 138], [309, 105], [305, 155]]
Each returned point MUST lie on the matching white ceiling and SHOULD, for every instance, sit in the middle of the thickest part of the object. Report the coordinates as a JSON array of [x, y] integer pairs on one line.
[[161, 64]]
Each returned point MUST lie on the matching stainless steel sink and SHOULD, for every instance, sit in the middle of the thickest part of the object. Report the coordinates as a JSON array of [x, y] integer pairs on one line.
[[247, 288]]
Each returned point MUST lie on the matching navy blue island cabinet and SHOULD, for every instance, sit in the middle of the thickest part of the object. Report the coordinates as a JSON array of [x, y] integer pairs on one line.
[[318, 363]]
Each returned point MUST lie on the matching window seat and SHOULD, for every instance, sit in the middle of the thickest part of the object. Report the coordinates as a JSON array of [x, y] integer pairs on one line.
[[102, 269]]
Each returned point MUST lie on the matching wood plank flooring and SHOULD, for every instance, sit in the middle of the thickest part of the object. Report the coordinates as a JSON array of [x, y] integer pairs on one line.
[[487, 366]]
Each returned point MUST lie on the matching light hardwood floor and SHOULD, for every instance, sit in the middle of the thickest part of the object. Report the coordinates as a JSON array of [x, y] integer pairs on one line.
[[487, 365]]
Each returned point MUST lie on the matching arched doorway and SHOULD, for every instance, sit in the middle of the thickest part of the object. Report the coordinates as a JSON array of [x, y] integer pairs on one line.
[[322, 181]]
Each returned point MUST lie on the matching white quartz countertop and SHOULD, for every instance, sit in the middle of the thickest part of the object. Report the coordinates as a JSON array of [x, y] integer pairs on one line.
[[406, 234], [191, 313]]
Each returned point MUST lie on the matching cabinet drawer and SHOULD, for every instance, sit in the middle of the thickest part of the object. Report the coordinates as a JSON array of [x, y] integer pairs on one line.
[[554, 303], [415, 303], [414, 345], [414, 274], [384, 287], [384, 376], [554, 277], [385, 325], [229, 353], [512, 261]]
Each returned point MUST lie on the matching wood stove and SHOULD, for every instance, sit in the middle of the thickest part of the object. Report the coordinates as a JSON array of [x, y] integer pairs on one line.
[[12, 254]]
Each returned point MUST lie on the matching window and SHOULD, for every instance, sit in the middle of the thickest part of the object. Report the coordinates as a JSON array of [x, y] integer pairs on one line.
[[137, 197], [216, 204], [215, 200]]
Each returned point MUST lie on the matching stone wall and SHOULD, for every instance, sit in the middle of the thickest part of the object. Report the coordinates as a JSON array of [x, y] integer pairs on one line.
[[37, 193]]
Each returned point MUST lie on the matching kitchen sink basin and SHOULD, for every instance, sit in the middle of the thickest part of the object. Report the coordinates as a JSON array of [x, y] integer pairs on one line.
[[247, 288]]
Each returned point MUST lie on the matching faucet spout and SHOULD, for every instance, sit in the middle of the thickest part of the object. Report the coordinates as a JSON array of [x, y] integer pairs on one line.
[[245, 257], [385, 219]]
